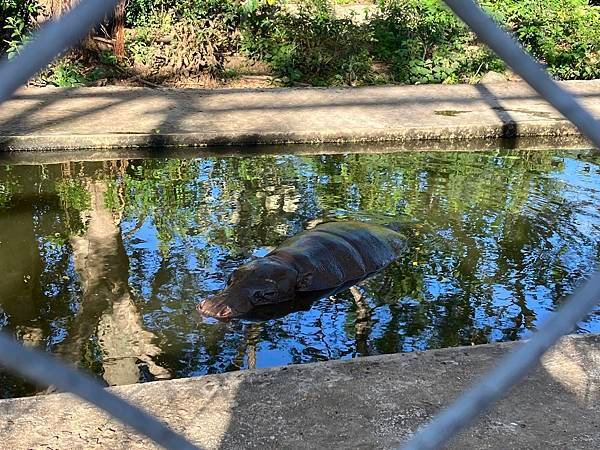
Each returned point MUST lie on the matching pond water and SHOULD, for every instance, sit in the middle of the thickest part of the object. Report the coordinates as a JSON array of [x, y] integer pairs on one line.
[[103, 262]]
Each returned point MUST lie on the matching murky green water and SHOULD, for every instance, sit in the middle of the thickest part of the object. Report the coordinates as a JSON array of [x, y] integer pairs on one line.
[[103, 263]]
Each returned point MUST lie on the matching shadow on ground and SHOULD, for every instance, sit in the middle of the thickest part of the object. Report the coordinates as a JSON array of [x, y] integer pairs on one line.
[[125, 117]]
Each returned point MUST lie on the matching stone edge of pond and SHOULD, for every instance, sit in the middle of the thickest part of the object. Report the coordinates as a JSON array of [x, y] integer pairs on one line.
[[370, 402], [119, 117], [522, 143], [414, 136]]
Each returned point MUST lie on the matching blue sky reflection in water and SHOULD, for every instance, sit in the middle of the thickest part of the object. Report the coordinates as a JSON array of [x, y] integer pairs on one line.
[[105, 261]]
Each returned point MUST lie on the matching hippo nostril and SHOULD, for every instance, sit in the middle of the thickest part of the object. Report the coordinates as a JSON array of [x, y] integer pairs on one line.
[[203, 307]]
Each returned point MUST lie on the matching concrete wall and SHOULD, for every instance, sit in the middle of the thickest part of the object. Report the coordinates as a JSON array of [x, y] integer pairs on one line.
[[374, 402]]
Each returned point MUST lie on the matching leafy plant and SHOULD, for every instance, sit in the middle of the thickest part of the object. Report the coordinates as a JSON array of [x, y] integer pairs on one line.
[[562, 34], [16, 21], [108, 58], [425, 43], [416, 41], [191, 39], [67, 74], [308, 45]]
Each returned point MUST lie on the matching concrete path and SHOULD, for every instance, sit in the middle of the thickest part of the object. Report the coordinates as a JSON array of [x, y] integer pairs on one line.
[[116, 117], [365, 403]]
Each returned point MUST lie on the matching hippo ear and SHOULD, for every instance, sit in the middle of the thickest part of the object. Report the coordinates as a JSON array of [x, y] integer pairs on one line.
[[304, 281]]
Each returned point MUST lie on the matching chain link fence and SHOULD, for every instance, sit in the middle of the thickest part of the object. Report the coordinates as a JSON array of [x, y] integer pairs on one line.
[[59, 35]]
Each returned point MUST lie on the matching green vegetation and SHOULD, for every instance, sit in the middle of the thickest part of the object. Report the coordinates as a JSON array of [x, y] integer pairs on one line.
[[17, 17], [67, 74], [309, 45], [562, 34], [425, 43], [414, 41], [421, 41], [189, 39]]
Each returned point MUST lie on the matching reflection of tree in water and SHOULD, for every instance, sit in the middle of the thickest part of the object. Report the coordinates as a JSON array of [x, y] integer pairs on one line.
[[107, 309], [484, 239], [495, 241], [79, 304]]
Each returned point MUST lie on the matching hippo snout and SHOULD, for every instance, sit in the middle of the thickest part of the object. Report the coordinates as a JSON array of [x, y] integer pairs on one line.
[[216, 309], [220, 307]]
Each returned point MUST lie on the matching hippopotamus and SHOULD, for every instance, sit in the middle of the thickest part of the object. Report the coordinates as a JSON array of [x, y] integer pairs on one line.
[[328, 258]]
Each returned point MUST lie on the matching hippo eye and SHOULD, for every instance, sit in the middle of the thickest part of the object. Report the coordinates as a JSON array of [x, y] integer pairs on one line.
[[269, 295], [264, 297]]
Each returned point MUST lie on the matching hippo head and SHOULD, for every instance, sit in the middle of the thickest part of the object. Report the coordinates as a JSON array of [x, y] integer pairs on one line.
[[264, 281]]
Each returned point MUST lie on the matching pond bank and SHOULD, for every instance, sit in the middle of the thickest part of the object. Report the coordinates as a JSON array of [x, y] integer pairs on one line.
[[372, 402], [118, 117]]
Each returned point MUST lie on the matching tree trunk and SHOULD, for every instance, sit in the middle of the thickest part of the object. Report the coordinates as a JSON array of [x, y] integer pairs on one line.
[[54, 8], [119, 30]]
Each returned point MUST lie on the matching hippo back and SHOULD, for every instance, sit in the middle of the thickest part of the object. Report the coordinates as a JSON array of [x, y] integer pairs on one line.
[[336, 253]]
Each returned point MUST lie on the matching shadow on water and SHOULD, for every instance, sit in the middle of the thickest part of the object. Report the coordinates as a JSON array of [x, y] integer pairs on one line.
[[107, 260]]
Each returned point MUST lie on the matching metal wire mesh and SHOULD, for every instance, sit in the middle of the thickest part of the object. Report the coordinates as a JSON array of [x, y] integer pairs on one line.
[[509, 371], [47, 370], [513, 368], [55, 37]]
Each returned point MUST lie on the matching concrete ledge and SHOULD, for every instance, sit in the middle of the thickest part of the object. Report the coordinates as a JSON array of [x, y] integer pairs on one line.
[[364, 403], [535, 143], [117, 117]]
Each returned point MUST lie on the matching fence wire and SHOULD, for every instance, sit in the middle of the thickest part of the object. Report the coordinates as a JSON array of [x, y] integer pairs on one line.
[[514, 367], [55, 37], [52, 39], [47, 370], [509, 371]]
